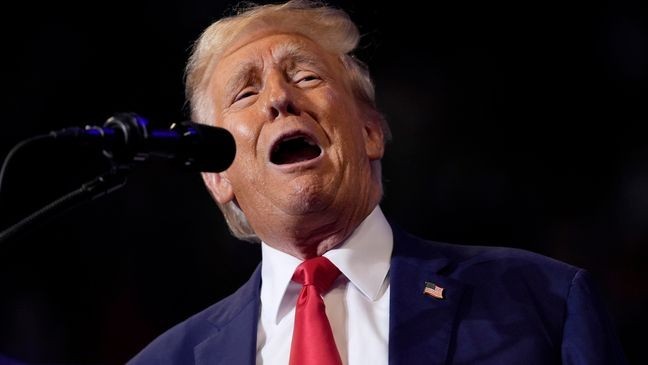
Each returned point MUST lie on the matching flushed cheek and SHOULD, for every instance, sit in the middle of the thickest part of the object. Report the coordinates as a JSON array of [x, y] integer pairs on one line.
[[332, 122], [245, 136], [345, 134], [244, 166]]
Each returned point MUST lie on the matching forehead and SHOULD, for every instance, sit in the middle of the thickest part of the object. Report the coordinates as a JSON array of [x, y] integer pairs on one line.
[[274, 48]]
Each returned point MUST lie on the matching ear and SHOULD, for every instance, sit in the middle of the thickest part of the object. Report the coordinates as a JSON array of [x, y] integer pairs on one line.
[[219, 186], [374, 136]]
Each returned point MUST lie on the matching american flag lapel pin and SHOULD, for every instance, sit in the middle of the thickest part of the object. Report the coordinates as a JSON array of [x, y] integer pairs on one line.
[[433, 290]]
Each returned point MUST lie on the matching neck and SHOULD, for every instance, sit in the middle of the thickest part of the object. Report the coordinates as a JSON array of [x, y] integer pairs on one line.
[[314, 234]]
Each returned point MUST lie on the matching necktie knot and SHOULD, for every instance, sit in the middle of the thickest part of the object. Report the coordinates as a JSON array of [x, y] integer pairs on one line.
[[318, 271]]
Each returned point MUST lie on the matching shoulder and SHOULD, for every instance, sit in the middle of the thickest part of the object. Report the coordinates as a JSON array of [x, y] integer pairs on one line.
[[176, 345], [492, 265]]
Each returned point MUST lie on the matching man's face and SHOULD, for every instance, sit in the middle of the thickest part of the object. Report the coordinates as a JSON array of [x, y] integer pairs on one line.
[[304, 144]]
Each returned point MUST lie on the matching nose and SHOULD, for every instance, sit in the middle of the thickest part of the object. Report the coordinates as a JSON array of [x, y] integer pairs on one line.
[[280, 97]]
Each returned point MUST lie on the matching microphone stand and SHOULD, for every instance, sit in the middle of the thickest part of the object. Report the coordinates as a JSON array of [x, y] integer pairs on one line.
[[102, 185], [126, 138]]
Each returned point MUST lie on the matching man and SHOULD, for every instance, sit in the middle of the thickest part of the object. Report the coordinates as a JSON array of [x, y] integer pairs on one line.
[[306, 182]]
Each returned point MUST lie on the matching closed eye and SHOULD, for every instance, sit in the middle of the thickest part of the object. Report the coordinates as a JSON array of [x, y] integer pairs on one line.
[[244, 94], [307, 79]]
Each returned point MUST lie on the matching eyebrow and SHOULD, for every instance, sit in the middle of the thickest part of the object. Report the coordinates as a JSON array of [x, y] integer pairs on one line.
[[291, 53], [296, 54], [242, 75]]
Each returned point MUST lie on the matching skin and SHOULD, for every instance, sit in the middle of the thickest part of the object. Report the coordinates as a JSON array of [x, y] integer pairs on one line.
[[272, 85]]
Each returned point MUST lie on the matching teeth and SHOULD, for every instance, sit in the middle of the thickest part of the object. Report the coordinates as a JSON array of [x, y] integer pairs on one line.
[[306, 139], [291, 138]]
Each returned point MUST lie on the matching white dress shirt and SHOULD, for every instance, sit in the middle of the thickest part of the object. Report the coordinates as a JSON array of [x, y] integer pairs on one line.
[[357, 305]]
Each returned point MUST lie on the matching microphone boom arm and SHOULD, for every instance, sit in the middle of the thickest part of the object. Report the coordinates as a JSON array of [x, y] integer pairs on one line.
[[93, 189]]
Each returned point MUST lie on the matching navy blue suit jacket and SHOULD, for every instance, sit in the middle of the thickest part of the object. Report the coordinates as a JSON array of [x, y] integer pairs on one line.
[[501, 306]]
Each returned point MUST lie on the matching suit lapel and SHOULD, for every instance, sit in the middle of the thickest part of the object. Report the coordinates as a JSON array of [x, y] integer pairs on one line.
[[235, 336], [420, 326]]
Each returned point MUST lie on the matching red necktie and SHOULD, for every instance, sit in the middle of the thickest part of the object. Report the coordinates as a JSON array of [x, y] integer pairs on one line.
[[313, 342]]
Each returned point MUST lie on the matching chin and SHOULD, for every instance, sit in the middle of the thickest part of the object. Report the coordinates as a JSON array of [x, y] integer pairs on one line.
[[308, 198]]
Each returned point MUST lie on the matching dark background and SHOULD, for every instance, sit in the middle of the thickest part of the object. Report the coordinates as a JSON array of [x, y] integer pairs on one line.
[[515, 124]]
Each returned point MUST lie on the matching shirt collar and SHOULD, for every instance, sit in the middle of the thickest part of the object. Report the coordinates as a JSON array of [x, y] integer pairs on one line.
[[363, 258]]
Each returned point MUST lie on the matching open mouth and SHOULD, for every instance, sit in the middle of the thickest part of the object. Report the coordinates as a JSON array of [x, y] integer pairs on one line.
[[294, 149]]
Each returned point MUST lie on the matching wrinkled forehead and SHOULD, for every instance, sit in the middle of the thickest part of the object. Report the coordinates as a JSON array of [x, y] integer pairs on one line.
[[253, 58], [288, 51], [280, 45]]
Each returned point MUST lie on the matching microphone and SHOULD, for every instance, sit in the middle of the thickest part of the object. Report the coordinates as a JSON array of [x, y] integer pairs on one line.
[[126, 137]]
